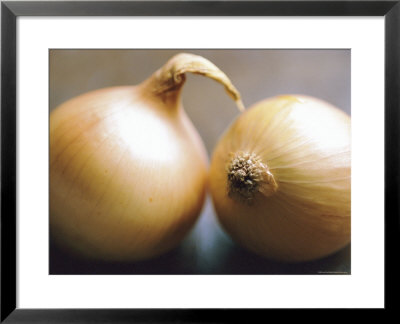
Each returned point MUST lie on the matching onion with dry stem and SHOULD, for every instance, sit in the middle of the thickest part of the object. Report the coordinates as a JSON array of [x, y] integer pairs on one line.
[[280, 178], [127, 167]]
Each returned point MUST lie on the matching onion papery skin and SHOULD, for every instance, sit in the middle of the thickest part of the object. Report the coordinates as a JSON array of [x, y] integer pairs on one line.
[[128, 170], [301, 209], [127, 182]]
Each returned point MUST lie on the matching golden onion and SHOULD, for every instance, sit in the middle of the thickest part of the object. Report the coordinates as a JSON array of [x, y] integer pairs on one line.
[[127, 167], [280, 178]]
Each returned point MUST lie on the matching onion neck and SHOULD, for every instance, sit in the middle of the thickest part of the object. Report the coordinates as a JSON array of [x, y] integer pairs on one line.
[[247, 176], [166, 83]]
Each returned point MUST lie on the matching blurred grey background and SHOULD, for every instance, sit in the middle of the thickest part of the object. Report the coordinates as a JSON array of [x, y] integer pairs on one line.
[[257, 74]]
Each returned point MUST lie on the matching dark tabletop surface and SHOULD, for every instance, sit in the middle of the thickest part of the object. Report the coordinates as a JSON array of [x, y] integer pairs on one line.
[[206, 250]]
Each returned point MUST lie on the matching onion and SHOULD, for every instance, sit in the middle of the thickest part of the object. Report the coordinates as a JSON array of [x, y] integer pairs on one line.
[[127, 168], [280, 179]]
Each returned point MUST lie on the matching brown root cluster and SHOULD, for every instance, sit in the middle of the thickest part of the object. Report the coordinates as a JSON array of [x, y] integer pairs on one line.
[[247, 175]]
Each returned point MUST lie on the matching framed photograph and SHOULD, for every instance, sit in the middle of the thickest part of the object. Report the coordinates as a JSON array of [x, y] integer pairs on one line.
[[134, 189]]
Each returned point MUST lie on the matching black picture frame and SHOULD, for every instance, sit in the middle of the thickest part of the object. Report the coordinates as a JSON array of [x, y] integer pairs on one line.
[[11, 10]]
